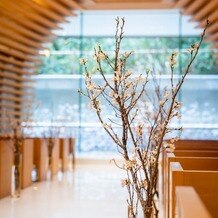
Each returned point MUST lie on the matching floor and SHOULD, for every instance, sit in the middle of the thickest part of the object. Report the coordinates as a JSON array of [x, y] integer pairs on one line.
[[92, 191]]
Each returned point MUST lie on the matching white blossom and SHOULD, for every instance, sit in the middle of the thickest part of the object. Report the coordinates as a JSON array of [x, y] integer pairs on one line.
[[144, 183], [172, 59], [125, 182], [139, 129], [193, 48], [83, 61], [99, 56], [166, 95], [128, 73], [129, 164]]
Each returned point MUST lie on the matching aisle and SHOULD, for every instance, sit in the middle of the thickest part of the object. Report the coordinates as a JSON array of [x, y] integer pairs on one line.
[[93, 191]]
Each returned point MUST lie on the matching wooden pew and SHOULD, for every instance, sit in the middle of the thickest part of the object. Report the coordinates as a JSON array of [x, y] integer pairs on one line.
[[192, 151], [6, 162], [187, 147], [179, 153], [56, 156], [202, 148], [188, 163], [27, 162], [205, 183], [195, 153], [41, 157], [64, 153], [204, 145], [186, 153], [189, 203], [183, 153]]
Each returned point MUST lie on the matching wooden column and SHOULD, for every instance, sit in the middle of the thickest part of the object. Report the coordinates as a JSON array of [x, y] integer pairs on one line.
[[64, 153], [72, 150]]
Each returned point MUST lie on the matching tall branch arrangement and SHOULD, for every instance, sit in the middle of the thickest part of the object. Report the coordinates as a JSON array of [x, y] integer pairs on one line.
[[140, 141], [16, 130]]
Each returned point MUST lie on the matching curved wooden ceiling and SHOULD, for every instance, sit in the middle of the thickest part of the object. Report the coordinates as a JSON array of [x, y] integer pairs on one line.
[[26, 24]]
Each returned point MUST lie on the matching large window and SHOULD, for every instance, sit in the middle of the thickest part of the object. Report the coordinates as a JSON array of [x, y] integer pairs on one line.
[[153, 35]]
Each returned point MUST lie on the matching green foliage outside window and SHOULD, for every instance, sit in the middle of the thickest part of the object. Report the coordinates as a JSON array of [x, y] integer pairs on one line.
[[150, 52]]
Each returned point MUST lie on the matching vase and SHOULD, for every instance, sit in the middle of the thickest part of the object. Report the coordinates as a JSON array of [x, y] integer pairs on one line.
[[49, 169], [16, 175]]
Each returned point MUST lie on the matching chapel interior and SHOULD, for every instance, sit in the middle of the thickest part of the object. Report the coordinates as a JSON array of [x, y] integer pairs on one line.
[[56, 159]]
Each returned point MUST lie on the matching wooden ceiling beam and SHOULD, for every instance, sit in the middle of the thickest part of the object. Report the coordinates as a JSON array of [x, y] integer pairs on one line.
[[9, 113], [18, 93], [20, 38], [6, 23], [14, 69], [6, 82], [212, 28], [194, 6], [18, 54], [18, 46], [27, 12], [10, 105], [213, 18], [11, 98], [130, 5], [182, 3], [24, 21], [11, 91], [45, 11], [205, 11], [9, 75], [72, 4], [11, 60], [58, 7], [213, 37], [216, 45]]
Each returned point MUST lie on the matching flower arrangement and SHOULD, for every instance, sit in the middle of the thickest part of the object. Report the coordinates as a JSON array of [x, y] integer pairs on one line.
[[49, 136], [13, 132], [144, 123]]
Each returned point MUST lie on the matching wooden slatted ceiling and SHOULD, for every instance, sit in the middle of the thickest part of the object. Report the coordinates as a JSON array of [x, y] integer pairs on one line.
[[200, 10], [25, 25], [126, 4]]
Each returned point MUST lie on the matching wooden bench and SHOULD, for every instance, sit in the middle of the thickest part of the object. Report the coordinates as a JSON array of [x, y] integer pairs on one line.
[[189, 203], [203, 148], [184, 153], [205, 145], [195, 148], [187, 148], [6, 163], [41, 157], [188, 163], [205, 183]]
